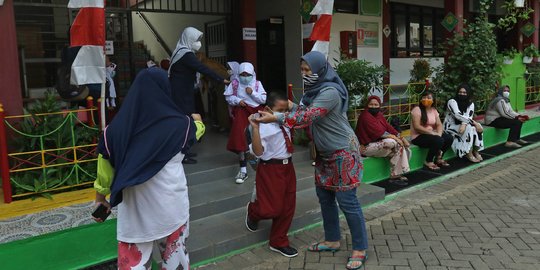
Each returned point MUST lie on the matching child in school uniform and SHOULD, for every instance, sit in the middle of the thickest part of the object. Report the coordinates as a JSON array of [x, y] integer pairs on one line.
[[275, 183], [245, 97]]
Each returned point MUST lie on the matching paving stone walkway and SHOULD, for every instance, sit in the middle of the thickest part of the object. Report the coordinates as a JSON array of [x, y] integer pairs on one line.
[[488, 218]]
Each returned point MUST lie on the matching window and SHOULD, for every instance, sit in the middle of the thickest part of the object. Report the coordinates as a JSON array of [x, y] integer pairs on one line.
[[346, 6], [416, 30]]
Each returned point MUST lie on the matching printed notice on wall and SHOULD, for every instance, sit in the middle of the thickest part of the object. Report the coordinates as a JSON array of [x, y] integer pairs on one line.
[[367, 34], [249, 33], [109, 47]]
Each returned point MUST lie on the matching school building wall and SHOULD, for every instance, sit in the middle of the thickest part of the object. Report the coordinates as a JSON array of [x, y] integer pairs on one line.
[[170, 27], [289, 10]]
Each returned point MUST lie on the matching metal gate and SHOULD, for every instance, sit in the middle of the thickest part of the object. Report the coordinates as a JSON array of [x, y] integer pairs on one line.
[[216, 40]]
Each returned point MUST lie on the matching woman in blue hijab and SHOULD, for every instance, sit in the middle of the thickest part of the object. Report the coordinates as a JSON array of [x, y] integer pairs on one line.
[[338, 167], [140, 166]]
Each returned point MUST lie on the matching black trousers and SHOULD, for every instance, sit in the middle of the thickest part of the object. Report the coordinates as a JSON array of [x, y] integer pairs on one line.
[[513, 124], [434, 143]]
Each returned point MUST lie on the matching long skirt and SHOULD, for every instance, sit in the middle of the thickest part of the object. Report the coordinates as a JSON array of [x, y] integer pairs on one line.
[[464, 143], [399, 155]]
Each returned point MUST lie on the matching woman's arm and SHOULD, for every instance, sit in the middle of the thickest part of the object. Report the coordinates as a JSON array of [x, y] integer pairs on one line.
[[453, 109], [505, 110], [191, 61], [301, 116]]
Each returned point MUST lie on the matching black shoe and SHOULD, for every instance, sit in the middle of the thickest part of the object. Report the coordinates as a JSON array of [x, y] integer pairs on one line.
[[191, 155], [287, 251], [189, 161], [251, 225]]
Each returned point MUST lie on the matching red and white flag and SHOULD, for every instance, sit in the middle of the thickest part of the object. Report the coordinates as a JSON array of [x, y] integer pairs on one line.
[[321, 30], [88, 66], [88, 31], [86, 3]]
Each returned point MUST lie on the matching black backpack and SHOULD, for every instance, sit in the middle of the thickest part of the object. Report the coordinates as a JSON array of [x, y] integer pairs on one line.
[[65, 89]]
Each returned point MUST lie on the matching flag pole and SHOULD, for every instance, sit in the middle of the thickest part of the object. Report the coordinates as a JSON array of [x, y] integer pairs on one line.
[[102, 103], [104, 65]]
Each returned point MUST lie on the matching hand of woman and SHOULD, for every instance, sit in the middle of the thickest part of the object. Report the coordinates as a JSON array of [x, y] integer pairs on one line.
[[249, 91], [291, 105], [405, 143], [100, 199], [242, 103], [462, 128], [266, 117], [196, 117], [479, 128]]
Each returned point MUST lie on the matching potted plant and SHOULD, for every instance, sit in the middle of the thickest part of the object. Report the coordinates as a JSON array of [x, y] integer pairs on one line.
[[529, 53], [509, 55], [360, 77], [421, 71]]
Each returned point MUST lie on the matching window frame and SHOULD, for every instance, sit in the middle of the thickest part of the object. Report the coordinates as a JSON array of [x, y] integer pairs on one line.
[[409, 11]]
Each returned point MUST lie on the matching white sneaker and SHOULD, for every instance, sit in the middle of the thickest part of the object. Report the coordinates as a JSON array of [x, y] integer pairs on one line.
[[241, 177]]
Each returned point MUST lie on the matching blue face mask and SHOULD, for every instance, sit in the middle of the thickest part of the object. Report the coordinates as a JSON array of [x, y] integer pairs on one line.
[[245, 80]]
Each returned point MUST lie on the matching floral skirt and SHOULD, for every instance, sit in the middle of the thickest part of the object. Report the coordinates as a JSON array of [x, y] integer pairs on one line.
[[340, 171]]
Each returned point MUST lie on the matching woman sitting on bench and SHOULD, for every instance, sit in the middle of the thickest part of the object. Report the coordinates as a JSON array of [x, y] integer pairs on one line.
[[499, 114], [459, 123], [379, 139], [427, 132]]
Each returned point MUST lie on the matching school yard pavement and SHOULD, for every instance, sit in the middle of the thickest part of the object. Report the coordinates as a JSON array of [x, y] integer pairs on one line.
[[487, 218]]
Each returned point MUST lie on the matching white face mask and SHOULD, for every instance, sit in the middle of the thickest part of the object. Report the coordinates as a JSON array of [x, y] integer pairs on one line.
[[196, 46], [506, 94]]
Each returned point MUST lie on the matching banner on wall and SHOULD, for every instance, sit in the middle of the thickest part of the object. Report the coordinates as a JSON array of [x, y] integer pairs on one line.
[[367, 34]]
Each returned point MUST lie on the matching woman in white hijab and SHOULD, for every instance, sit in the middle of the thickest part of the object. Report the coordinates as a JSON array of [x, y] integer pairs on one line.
[[246, 97], [182, 74]]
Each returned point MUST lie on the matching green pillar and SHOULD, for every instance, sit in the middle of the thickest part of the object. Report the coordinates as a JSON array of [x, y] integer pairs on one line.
[[513, 77]]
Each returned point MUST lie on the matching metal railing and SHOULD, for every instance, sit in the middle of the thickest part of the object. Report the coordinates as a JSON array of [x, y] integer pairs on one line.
[[60, 155]]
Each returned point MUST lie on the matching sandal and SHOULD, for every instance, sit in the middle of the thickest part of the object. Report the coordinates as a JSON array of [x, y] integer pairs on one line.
[[319, 247], [472, 158], [442, 163], [433, 167], [361, 259], [400, 181]]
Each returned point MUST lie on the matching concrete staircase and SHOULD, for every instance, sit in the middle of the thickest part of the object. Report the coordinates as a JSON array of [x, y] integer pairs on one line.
[[218, 204]]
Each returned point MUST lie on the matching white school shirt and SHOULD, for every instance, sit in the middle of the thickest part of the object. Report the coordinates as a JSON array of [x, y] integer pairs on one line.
[[257, 97], [273, 142], [156, 208]]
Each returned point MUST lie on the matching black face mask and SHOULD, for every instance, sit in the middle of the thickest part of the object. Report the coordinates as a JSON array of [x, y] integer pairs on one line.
[[462, 98], [374, 111]]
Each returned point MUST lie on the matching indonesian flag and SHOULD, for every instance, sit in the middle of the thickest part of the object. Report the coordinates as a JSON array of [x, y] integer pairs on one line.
[[321, 30], [86, 3], [88, 66], [88, 31]]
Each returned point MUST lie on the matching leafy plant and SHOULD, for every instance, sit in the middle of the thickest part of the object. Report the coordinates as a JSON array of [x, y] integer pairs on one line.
[[531, 51], [421, 71], [360, 76], [512, 15], [473, 59], [46, 131], [510, 53]]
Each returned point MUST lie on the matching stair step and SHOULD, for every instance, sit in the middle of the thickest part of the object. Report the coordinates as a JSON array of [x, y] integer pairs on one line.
[[224, 232], [224, 195], [225, 164]]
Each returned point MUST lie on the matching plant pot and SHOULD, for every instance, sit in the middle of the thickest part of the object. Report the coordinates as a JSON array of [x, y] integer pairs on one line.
[[508, 61], [519, 3], [527, 59]]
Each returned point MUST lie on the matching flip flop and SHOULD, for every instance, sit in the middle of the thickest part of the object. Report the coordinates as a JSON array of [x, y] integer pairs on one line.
[[319, 247], [361, 259]]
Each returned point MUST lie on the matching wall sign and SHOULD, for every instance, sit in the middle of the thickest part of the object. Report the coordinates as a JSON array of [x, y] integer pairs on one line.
[[367, 34], [109, 46], [249, 33]]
